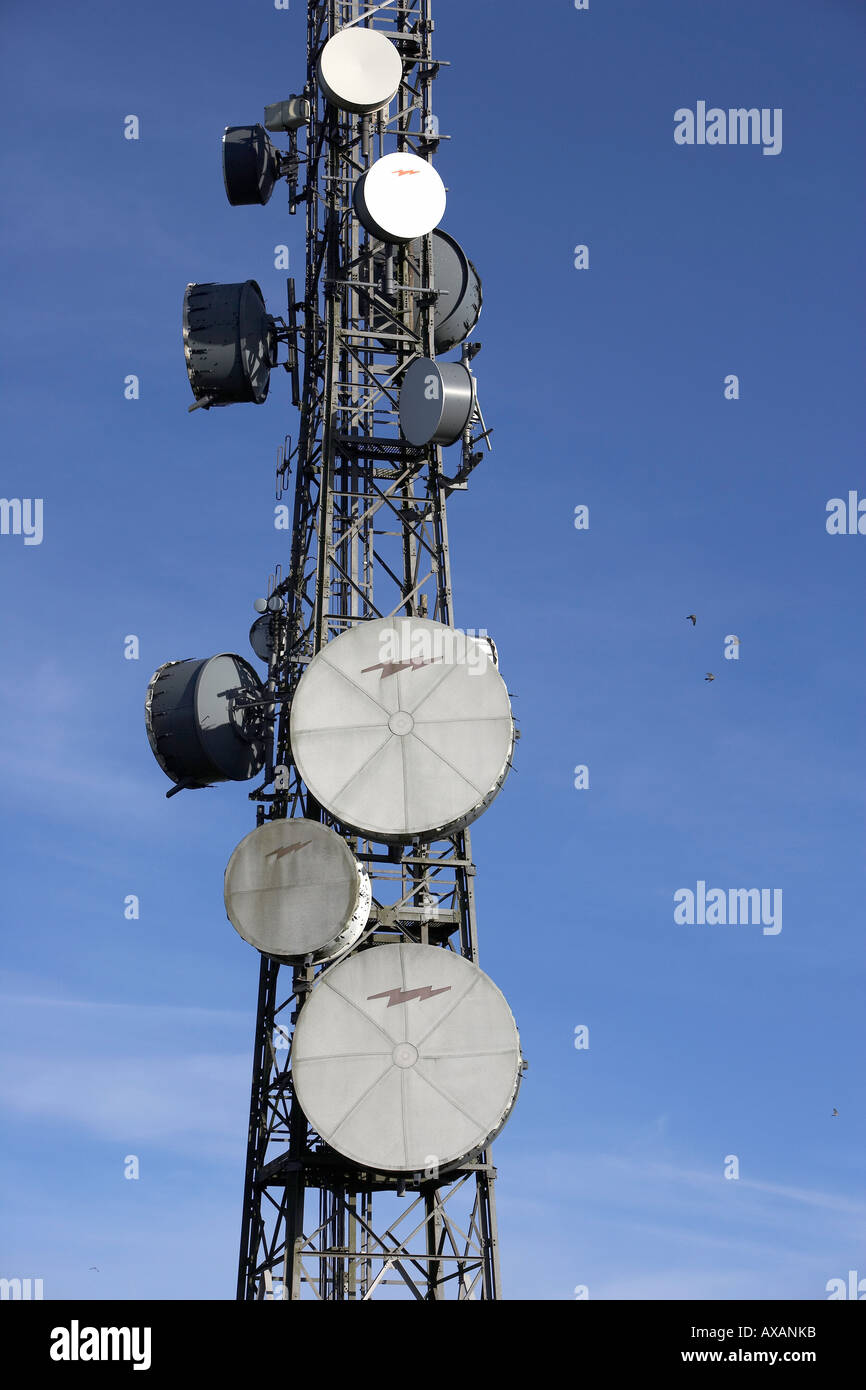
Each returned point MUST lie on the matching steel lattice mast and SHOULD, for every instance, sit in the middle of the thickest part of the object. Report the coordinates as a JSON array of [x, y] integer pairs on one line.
[[369, 540]]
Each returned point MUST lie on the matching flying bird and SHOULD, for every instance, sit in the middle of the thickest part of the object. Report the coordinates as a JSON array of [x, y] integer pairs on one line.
[[94, 1267], [709, 676], [835, 1112], [692, 618]]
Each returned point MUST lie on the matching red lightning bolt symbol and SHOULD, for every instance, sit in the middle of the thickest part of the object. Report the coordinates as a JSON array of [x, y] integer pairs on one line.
[[287, 849], [402, 996], [390, 668]]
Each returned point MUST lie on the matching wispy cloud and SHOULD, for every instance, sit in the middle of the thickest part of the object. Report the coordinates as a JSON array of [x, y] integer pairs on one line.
[[659, 1229], [166, 1075]]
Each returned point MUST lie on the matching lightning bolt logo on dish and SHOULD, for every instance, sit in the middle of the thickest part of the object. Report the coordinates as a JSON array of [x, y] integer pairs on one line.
[[401, 172], [287, 849], [402, 996], [390, 668]]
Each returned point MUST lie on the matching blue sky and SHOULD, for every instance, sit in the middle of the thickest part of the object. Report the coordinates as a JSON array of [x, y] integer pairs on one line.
[[605, 387]]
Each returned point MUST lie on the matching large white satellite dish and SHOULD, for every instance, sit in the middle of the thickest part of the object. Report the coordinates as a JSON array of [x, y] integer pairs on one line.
[[360, 70], [406, 1058], [402, 729], [293, 888], [399, 198]]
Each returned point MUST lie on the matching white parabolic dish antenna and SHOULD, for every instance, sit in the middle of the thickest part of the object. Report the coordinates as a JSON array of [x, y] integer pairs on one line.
[[406, 1057], [294, 888], [360, 70], [401, 728], [399, 198]]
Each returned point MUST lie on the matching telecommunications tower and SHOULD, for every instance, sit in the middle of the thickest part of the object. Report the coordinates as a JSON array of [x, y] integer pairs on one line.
[[385, 1060]]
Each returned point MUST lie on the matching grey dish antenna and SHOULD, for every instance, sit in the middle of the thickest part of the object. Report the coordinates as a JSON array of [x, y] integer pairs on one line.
[[205, 721], [457, 286], [251, 165], [261, 638], [436, 401], [230, 343], [458, 293]]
